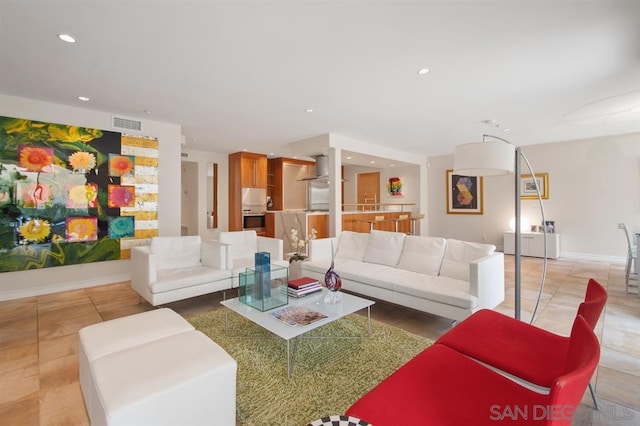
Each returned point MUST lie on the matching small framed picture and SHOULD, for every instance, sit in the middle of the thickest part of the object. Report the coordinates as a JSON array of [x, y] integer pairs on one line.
[[549, 226], [528, 186]]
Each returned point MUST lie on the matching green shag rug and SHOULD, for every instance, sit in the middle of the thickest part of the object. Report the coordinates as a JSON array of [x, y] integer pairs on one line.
[[328, 376]]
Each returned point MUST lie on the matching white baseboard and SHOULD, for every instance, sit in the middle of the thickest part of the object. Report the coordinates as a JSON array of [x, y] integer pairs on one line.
[[593, 257], [67, 286]]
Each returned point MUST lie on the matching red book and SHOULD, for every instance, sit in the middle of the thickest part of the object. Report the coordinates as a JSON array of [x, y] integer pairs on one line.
[[302, 282]]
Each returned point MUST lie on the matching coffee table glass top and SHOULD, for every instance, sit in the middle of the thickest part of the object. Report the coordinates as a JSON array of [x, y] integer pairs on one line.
[[349, 305]]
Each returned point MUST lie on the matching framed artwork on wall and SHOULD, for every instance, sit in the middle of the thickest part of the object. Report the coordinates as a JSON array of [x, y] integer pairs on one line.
[[528, 187], [464, 194], [73, 195], [394, 187]]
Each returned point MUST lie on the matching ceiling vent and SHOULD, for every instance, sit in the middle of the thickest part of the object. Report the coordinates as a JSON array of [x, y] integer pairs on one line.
[[126, 123]]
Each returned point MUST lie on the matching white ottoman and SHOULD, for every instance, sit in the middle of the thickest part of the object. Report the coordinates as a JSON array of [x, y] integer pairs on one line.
[[155, 369]]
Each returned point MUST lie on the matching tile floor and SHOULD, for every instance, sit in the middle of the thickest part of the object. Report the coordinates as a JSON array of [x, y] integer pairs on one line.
[[39, 339]]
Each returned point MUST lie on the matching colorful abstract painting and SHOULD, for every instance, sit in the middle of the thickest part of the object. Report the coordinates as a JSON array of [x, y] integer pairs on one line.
[[394, 187], [464, 194], [56, 205]]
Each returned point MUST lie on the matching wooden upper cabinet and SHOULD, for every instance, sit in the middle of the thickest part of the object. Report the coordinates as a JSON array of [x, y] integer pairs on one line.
[[253, 170]]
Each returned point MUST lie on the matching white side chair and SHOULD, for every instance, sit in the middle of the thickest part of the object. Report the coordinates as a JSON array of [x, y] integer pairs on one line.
[[242, 247], [632, 256]]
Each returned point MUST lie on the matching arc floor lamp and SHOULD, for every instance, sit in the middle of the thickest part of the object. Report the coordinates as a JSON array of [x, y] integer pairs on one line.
[[494, 158]]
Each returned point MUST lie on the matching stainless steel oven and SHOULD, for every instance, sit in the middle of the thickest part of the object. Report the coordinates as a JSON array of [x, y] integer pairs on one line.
[[253, 221]]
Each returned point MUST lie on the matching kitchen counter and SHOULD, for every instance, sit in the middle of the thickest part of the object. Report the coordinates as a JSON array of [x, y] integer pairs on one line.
[[279, 223]]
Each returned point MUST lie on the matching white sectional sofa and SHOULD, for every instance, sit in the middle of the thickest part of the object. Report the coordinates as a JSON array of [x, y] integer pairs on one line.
[[176, 268], [243, 245], [445, 277]]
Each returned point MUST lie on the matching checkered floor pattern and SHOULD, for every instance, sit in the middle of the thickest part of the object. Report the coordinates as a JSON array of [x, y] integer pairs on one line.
[[339, 421]]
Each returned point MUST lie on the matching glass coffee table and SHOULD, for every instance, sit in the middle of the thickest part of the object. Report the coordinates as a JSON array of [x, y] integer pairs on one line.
[[288, 332]]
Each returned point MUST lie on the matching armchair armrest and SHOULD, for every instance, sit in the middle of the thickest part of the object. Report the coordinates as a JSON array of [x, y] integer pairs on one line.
[[214, 254], [320, 249], [143, 269], [486, 280], [271, 245]]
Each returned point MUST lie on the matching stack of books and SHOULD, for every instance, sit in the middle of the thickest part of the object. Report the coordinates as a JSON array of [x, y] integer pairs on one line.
[[301, 287]]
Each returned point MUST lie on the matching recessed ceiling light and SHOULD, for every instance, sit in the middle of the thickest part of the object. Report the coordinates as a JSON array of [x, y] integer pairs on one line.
[[349, 158], [308, 110], [83, 98], [67, 38], [372, 162], [506, 130], [272, 153], [244, 149], [391, 165], [423, 71], [146, 111]]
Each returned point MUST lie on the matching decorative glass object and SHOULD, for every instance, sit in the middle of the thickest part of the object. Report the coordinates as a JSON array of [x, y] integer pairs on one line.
[[333, 282], [265, 286]]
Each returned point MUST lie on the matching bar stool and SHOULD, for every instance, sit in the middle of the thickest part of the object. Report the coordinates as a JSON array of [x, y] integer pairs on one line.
[[374, 221], [399, 218], [413, 222]]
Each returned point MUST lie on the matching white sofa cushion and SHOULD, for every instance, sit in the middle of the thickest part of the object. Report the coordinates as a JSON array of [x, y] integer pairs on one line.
[[457, 256], [444, 290], [176, 252], [243, 244], [352, 245], [175, 279], [384, 247], [422, 254]]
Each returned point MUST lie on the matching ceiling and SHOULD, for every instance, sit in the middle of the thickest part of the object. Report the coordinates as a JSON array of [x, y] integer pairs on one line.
[[241, 75]]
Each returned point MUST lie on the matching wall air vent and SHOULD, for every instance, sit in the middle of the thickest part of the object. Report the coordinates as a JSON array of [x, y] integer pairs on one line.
[[126, 123], [184, 154]]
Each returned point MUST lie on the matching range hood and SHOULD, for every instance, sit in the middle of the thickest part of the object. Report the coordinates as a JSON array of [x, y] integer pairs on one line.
[[322, 169]]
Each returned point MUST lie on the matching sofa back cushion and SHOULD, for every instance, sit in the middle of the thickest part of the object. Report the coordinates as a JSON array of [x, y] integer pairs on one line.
[[384, 247], [352, 245], [176, 252], [243, 244], [422, 254], [457, 256]]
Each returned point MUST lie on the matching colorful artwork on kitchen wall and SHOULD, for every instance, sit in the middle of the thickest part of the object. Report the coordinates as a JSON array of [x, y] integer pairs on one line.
[[394, 187], [72, 195]]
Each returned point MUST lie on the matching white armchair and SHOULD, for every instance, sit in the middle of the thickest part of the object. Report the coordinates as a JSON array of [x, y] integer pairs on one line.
[[176, 268], [242, 247]]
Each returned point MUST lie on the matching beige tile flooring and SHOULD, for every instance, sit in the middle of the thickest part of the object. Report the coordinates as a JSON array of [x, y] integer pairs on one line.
[[39, 339]]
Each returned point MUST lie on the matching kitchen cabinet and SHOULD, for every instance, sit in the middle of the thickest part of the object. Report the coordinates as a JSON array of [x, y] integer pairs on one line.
[[285, 188], [246, 170], [532, 244], [253, 170]]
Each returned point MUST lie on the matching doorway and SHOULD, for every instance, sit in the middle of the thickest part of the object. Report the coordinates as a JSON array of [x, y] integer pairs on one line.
[[189, 198], [368, 190]]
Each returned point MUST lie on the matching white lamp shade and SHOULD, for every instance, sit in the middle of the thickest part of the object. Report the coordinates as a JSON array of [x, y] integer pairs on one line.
[[491, 158]]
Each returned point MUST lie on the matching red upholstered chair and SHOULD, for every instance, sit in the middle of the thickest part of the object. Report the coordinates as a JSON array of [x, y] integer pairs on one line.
[[517, 348], [441, 386]]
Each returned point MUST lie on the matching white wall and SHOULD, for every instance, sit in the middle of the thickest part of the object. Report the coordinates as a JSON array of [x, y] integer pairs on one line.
[[41, 281], [203, 158], [593, 185]]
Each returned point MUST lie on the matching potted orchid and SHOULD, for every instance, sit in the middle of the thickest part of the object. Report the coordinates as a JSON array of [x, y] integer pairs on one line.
[[299, 245]]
